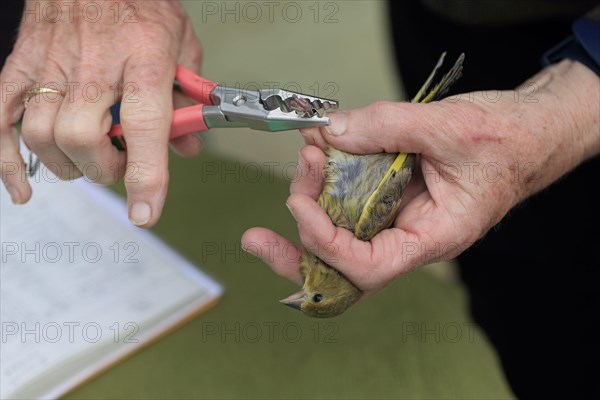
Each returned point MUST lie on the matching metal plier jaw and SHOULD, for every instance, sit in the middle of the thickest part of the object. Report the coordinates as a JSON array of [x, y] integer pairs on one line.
[[221, 106], [266, 109]]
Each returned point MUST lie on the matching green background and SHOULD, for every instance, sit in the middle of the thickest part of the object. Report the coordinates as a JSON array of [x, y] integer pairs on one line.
[[413, 340]]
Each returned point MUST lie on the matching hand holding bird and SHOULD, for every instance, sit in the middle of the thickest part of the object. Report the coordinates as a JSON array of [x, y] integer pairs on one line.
[[454, 196]]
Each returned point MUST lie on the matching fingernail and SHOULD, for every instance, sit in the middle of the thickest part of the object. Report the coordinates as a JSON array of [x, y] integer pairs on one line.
[[140, 213], [15, 196], [291, 209], [308, 139], [249, 249], [337, 123]]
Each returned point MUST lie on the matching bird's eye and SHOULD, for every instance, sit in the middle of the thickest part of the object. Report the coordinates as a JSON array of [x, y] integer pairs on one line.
[[317, 297]]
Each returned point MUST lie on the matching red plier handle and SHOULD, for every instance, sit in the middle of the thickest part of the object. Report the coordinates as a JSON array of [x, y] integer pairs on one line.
[[185, 120]]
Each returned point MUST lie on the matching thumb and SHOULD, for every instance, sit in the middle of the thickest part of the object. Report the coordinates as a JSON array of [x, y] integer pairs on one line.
[[383, 126]]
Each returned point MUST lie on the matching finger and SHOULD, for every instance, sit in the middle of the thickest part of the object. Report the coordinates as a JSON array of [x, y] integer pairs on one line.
[[38, 129], [412, 242], [336, 246], [384, 127], [276, 251], [82, 124], [14, 83], [12, 167], [314, 137], [180, 100], [146, 126], [188, 145], [190, 57], [415, 186], [309, 177]]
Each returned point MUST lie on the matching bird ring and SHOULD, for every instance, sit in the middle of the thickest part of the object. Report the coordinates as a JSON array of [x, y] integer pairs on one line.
[[40, 90]]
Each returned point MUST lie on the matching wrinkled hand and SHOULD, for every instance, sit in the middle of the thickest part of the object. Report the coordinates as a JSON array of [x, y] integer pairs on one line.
[[98, 55], [480, 155]]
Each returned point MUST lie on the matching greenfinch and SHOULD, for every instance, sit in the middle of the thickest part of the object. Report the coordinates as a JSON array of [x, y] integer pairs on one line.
[[361, 193]]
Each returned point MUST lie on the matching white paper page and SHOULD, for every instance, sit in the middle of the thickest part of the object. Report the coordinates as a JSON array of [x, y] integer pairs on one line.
[[80, 286]]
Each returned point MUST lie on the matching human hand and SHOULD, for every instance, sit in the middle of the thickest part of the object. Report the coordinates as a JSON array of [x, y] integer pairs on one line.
[[480, 155], [98, 53]]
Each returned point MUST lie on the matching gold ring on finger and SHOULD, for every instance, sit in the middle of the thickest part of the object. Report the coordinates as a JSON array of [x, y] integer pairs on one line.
[[40, 90]]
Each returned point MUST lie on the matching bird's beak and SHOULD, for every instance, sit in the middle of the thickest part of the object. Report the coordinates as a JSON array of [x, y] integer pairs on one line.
[[295, 300]]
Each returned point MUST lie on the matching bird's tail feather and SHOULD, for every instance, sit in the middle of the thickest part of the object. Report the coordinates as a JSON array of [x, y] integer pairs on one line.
[[443, 85]]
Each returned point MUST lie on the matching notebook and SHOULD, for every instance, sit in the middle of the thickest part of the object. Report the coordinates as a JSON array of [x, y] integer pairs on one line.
[[81, 288]]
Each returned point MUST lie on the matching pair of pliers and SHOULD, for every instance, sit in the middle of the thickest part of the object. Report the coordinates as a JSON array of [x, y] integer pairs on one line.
[[222, 106]]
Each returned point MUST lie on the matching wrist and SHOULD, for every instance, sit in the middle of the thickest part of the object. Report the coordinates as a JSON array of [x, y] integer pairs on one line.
[[564, 122], [575, 91]]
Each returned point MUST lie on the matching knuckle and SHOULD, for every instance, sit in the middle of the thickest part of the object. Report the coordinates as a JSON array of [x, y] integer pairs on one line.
[[143, 120], [146, 177], [380, 114], [74, 135], [37, 135], [150, 73]]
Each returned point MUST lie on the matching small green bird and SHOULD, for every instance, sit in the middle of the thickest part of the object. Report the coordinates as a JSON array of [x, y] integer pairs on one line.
[[362, 193]]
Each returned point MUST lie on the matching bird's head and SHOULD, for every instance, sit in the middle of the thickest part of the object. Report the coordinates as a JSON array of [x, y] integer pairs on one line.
[[326, 292]]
